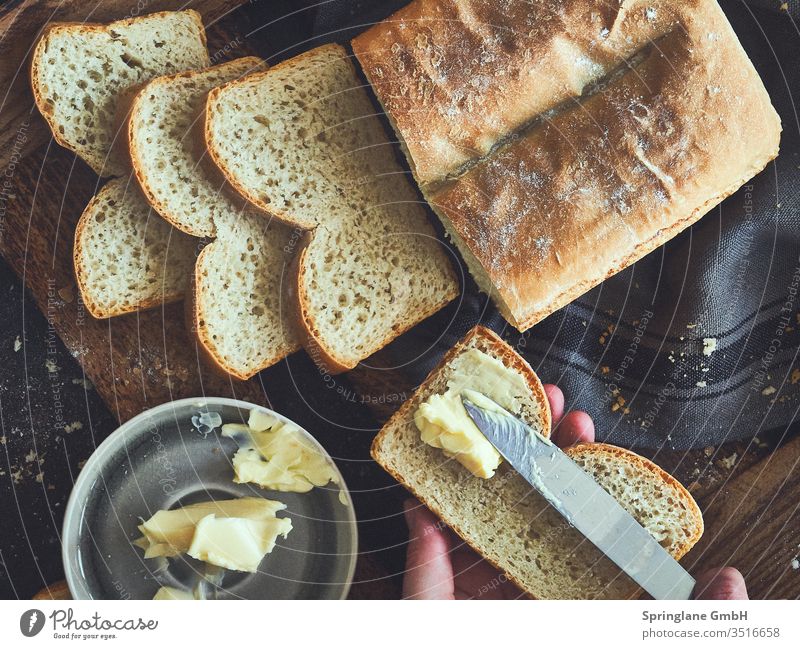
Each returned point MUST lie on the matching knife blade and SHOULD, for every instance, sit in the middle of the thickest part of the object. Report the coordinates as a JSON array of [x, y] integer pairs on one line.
[[583, 503]]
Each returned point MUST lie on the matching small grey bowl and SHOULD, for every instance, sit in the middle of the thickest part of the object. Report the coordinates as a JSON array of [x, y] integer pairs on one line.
[[160, 460]]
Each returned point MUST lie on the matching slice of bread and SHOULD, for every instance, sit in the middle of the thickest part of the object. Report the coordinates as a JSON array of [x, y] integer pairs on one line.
[[302, 142], [241, 322], [236, 312], [296, 139], [167, 149], [360, 284], [82, 74], [510, 524], [127, 258]]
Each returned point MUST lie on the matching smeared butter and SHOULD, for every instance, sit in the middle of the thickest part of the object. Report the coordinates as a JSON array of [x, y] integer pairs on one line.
[[444, 423], [225, 533], [275, 455]]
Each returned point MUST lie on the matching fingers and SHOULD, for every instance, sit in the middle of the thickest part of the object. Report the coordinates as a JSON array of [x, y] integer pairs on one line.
[[429, 571], [556, 398], [574, 428], [720, 583]]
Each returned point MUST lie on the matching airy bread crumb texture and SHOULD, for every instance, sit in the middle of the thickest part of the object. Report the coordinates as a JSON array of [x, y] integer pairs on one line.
[[83, 73], [128, 258], [302, 142], [167, 151], [240, 316], [505, 520]]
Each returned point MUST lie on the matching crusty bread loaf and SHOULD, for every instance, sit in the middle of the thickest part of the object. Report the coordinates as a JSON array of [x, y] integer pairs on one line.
[[601, 184], [560, 141], [126, 257], [301, 141], [506, 521], [167, 148], [457, 77], [81, 74], [236, 311]]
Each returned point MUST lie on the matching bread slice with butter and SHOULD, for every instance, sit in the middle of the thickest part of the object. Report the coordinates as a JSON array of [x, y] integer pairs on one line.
[[302, 142], [241, 323], [83, 73], [502, 517], [126, 257]]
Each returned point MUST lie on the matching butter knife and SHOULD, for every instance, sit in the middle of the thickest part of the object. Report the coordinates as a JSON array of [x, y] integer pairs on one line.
[[584, 503]]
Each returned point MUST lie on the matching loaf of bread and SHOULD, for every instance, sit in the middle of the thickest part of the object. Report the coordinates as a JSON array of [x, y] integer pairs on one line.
[[236, 311], [127, 258], [82, 74], [303, 143], [590, 183], [457, 77], [509, 523]]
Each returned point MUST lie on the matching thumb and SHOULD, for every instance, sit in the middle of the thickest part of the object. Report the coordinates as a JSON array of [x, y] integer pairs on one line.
[[720, 583], [429, 570]]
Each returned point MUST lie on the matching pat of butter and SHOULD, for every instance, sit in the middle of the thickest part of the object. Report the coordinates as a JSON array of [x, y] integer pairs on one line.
[[275, 455], [170, 592], [444, 423], [169, 533], [236, 543]]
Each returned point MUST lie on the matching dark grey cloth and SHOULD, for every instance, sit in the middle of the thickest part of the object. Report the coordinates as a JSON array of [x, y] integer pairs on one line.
[[631, 352]]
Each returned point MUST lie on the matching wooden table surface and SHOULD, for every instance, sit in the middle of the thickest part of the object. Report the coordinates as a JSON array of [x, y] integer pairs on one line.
[[138, 361]]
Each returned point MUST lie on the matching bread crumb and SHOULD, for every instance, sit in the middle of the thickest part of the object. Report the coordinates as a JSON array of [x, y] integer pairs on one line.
[[606, 369], [768, 391], [17, 344], [729, 462], [795, 563], [709, 346], [701, 384], [691, 325], [709, 451], [66, 294], [795, 376], [75, 425]]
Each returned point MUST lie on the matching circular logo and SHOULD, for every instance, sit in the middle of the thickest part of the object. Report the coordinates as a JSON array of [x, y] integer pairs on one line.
[[31, 622]]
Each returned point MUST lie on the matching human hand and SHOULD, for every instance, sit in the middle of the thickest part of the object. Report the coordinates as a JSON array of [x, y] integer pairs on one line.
[[439, 565]]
